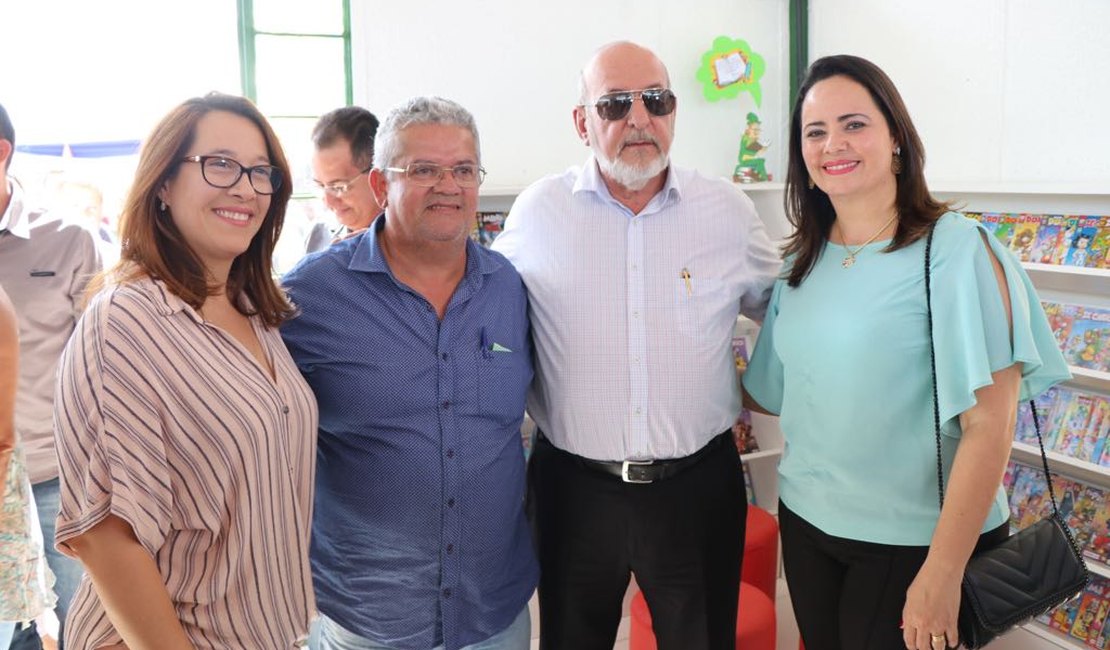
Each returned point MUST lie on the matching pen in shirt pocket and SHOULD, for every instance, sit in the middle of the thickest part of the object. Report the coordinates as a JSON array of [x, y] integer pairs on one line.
[[686, 277], [485, 344]]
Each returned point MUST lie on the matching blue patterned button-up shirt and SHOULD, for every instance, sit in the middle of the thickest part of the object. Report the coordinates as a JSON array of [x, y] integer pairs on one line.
[[419, 536]]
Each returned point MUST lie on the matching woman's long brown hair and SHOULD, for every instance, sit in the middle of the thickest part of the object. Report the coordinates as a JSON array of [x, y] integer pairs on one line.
[[153, 246], [811, 212]]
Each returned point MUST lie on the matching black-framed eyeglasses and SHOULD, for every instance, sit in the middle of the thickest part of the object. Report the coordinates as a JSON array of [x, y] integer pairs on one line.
[[615, 106], [339, 188], [428, 174], [224, 172]]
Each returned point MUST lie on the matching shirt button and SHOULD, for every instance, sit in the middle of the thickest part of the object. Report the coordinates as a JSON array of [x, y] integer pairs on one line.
[[447, 592], [443, 356], [446, 404], [285, 410], [451, 503], [635, 314], [450, 453], [637, 410], [450, 549]]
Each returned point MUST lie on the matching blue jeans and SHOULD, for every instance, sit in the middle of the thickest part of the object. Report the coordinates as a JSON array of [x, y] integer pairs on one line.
[[7, 628], [328, 635], [67, 571]]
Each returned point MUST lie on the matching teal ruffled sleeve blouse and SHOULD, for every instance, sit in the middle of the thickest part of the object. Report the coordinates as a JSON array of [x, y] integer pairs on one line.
[[844, 358]]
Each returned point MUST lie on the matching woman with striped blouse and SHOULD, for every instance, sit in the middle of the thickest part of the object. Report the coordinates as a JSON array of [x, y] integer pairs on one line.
[[186, 436]]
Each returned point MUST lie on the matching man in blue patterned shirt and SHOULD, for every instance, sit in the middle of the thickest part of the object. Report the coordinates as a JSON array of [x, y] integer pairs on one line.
[[415, 341]]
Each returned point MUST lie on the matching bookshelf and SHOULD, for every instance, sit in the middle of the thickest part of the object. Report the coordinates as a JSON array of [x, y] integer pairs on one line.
[[1066, 285]]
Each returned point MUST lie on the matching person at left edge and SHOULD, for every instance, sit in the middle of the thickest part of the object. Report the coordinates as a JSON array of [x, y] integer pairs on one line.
[[185, 434], [415, 341]]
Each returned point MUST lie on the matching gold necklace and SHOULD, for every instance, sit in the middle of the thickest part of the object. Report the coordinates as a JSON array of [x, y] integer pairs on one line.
[[850, 258]]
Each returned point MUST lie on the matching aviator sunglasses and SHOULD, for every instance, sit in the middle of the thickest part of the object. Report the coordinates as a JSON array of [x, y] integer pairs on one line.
[[615, 106]]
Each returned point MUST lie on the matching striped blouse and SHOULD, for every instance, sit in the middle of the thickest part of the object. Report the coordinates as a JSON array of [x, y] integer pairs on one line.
[[170, 424]]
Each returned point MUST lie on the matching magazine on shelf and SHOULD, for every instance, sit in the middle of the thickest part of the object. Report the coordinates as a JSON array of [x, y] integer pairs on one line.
[[1100, 247], [1079, 247], [1004, 231], [1025, 235], [1088, 625], [489, 226], [1082, 507], [742, 432], [1025, 432], [1072, 240], [1050, 241], [1088, 342]]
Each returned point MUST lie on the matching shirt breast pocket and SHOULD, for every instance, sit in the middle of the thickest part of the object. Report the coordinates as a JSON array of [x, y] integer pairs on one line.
[[503, 379], [696, 300]]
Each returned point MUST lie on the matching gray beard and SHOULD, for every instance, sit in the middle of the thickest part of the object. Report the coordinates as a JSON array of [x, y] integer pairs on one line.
[[631, 177]]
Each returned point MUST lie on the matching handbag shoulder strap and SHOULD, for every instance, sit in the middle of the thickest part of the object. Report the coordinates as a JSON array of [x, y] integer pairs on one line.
[[936, 399]]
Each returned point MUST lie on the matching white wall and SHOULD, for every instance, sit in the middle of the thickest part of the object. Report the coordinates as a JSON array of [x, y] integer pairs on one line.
[[514, 64], [1005, 93]]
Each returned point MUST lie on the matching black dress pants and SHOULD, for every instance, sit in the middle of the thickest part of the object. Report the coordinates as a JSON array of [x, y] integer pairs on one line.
[[681, 537], [848, 594]]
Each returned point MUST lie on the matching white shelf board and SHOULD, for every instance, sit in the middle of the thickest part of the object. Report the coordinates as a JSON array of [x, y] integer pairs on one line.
[[763, 453], [1063, 464], [1097, 568], [1057, 638], [760, 187], [1072, 279], [1033, 189], [1086, 378], [502, 191]]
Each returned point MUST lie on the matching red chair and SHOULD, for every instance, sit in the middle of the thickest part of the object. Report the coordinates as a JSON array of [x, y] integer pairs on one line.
[[755, 622], [761, 551]]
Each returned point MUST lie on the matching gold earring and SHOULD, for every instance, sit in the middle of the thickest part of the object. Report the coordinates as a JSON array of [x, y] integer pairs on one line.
[[896, 163], [811, 183]]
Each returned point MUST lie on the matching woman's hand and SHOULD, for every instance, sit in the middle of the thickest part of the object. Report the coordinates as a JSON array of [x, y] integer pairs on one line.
[[932, 607]]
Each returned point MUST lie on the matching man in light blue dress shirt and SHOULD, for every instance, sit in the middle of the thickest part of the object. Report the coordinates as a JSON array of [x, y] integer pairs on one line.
[[636, 271]]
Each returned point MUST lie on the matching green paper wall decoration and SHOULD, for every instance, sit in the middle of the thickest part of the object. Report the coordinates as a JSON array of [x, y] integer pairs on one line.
[[729, 68]]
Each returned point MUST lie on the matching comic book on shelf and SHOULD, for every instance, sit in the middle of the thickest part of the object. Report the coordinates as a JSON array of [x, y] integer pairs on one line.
[[1100, 247], [989, 220], [489, 226], [1004, 231], [1025, 432], [1025, 235], [1079, 247], [1087, 626], [1080, 426], [742, 432], [1098, 546], [1050, 240], [1060, 320], [1088, 341]]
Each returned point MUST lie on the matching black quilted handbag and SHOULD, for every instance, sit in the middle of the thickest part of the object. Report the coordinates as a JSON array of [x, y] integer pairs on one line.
[[1028, 574]]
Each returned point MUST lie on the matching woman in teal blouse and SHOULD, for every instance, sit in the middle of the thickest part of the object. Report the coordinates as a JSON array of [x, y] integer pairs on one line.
[[843, 357]]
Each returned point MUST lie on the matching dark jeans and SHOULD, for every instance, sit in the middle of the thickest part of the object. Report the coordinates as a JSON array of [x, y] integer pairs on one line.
[[849, 594], [681, 537]]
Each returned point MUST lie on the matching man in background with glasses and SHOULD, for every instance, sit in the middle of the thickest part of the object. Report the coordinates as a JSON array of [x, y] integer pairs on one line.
[[415, 340], [343, 153], [636, 271]]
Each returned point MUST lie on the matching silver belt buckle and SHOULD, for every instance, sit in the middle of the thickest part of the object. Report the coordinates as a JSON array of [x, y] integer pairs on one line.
[[624, 470]]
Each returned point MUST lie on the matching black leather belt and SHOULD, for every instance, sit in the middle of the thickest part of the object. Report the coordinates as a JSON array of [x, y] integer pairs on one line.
[[646, 471]]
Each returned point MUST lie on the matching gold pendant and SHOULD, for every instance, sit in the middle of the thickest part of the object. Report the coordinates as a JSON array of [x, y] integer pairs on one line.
[[848, 261]]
